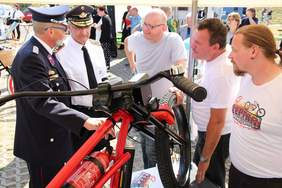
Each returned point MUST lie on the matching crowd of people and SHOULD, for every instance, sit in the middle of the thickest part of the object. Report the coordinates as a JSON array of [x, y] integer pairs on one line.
[[240, 117]]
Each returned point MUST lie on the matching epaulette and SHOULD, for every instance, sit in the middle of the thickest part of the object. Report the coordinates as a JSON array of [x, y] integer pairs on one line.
[[95, 42], [35, 50]]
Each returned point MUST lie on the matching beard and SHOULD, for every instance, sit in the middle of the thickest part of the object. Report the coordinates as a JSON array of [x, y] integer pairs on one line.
[[237, 71]]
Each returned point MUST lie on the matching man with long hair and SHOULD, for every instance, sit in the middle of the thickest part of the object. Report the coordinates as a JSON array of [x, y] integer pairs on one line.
[[256, 142]]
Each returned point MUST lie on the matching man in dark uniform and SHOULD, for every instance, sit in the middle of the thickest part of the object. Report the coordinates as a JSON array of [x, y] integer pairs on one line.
[[44, 125]]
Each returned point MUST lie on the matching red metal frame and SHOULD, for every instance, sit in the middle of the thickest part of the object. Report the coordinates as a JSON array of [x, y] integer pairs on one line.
[[119, 157]]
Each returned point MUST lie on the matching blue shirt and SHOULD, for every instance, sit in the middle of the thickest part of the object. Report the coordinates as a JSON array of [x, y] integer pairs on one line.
[[134, 20]]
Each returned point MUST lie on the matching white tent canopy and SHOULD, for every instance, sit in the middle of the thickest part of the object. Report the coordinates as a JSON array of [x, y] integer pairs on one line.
[[173, 3]]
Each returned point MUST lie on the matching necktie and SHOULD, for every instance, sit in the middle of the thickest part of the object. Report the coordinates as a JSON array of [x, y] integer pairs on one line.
[[89, 68]]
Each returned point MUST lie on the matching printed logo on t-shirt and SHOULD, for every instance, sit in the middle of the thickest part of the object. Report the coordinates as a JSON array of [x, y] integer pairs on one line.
[[247, 114]]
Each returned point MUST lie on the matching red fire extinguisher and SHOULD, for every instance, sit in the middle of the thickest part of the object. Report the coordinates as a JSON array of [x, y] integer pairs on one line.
[[91, 169]]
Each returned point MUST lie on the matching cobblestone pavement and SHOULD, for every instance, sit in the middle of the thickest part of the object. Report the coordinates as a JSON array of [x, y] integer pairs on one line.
[[13, 171]]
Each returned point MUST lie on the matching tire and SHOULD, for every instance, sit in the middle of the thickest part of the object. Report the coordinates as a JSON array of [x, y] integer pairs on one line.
[[165, 153], [260, 112]]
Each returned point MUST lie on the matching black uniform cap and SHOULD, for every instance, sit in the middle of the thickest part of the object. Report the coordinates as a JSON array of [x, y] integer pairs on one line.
[[81, 16], [54, 14]]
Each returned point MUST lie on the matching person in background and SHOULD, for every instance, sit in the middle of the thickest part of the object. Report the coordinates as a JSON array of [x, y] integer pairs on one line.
[[97, 25], [44, 124], [213, 116], [134, 18], [125, 26], [151, 51], [96, 19], [233, 22], [106, 38], [256, 142], [83, 61], [185, 30], [263, 14], [250, 17], [269, 17], [17, 16], [171, 23], [266, 16]]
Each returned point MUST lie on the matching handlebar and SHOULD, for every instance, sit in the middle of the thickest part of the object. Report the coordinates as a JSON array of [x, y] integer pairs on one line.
[[193, 90]]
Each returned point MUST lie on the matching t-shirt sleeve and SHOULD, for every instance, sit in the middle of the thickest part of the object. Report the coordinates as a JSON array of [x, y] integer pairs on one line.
[[178, 48], [221, 93]]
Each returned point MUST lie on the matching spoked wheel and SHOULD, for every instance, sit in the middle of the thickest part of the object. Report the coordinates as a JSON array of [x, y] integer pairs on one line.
[[10, 84], [174, 159]]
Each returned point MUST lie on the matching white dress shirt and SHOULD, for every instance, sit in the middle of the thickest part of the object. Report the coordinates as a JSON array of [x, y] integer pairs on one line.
[[72, 60]]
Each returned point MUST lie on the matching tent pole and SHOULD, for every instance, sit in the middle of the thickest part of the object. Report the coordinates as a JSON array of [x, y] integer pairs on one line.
[[191, 62], [194, 22]]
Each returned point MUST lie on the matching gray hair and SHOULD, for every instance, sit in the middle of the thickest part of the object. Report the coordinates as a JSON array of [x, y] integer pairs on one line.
[[39, 28]]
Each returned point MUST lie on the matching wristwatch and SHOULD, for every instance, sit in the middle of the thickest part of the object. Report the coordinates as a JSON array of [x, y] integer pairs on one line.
[[204, 159]]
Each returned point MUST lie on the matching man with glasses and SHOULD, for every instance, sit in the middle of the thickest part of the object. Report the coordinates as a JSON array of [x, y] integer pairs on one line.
[[44, 125], [83, 61], [150, 51]]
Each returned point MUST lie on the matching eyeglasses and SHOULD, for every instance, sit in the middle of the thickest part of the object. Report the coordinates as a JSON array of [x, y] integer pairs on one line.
[[151, 27], [65, 29]]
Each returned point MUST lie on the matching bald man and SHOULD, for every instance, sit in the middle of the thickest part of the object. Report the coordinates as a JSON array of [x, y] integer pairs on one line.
[[150, 51]]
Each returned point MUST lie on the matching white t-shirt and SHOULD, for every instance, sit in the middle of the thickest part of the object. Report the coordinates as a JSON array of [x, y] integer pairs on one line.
[[256, 136], [222, 86], [71, 58], [152, 58]]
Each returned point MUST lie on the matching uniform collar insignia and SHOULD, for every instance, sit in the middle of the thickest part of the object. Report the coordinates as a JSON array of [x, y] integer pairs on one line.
[[35, 49]]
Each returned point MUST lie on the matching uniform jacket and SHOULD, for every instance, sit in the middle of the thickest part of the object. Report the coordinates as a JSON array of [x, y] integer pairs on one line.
[[43, 125]]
